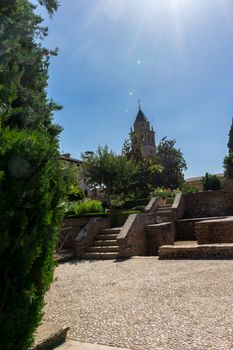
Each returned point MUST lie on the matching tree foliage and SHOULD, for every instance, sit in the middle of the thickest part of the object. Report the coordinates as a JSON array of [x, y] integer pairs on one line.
[[211, 182], [31, 186], [228, 160], [173, 164], [132, 149], [145, 169], [108, 171]]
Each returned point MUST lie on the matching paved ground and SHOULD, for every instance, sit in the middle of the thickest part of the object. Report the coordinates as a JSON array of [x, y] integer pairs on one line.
[[144, 303], [74, 345]]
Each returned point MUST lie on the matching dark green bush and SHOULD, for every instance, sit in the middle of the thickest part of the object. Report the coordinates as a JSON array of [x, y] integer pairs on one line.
[[139, 208], [117, 204], [75, 193], [31, 185], [136, 203], [186, 188], [118, 218], [211, 182], [30, 193]]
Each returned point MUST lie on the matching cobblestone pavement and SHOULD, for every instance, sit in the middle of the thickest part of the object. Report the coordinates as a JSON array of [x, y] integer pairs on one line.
[[144, 303]]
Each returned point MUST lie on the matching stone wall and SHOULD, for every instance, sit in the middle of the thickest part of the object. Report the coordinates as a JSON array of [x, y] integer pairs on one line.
[[178, 206], [213, 251], [215, 231], [87, 235], [207, 204], [158, 235], [185, 229], [72, 227], [153, 205], [132, 238]]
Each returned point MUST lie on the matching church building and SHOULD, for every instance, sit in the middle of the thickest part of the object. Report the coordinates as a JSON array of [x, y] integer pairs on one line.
[[143, 134]]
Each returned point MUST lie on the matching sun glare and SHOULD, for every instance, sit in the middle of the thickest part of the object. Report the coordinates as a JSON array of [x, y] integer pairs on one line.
[[174, 6]]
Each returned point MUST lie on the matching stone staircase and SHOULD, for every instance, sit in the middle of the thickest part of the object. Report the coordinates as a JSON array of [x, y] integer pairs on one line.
[[165, 213], [104, 246]]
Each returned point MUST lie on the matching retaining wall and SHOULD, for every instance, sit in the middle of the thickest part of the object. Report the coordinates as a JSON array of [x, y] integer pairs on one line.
[[158, 235], [132, 238], [215, 231]]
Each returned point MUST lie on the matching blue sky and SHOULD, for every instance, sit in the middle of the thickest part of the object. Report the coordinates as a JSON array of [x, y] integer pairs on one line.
[[175, 55]]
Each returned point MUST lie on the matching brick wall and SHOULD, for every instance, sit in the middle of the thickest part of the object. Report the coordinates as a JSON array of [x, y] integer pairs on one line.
[[71, 226], [158, 235], [132, 238], [211, 203], [216, 251], [215, 231], [185, 230], [87, 235]]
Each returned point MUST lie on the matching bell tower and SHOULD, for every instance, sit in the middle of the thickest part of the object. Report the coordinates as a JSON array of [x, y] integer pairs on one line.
[[144, 134]]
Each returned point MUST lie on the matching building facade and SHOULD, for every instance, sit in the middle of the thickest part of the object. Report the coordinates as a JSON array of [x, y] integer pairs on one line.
[[143, 134]]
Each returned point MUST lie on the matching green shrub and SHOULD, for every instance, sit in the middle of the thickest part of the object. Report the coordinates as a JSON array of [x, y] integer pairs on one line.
[[167, 194], [211, 182], [186, 188], [75, 193], [30, 193], [84, 207], [139, 208], [117, 204], [118, 218], [136, 202]]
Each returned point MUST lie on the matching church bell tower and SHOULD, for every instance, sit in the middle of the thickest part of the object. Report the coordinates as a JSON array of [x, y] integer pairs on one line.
[[143, 134]]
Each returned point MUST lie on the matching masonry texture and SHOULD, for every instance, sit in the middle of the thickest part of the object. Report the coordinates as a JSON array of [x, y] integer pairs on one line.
[[194, 251], [132, 238], [211, 203], [72, 227], [215, 231], [87, 235], [158, 235]]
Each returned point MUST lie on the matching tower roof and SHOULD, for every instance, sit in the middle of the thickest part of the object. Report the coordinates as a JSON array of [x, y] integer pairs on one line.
[[140, 117]]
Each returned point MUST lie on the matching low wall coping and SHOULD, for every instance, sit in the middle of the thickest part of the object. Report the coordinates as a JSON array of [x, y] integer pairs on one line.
[[218, 220], [201, 219], [84, 232], [159, 225], [153, 204], [192, 247], [176, 201], [127, 226]]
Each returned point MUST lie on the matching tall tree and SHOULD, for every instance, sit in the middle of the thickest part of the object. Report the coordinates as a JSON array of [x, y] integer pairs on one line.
[[108, 171], [146, 169], [172, 161], [31, 186], [228, 160]]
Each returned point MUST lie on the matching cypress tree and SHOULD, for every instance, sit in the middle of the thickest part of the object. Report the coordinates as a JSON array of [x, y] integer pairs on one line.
[[31, 187], [230, 142], [228, 160]]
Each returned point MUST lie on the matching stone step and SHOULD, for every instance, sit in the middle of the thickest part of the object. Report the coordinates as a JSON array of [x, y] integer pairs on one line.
[[101, 256], [106, 242], [106, 236], [194, 251], [165, 206], [164, 211], [102, 249], [113, 230]]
